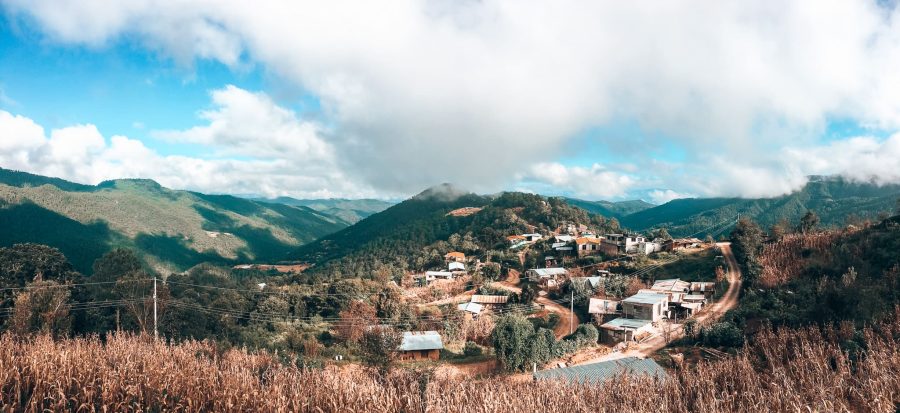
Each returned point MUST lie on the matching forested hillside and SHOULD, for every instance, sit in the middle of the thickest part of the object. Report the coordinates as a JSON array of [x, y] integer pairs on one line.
[[835, 200], [172, 230], [819, 277], [414, 234], [349, 210], [610, 209]]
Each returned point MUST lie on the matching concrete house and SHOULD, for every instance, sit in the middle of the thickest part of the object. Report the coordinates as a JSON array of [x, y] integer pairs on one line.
[[532, 237], [587, 246], [456, 266], [625, 329], [421, 345], [624, 243], [549, 277], [646, 306]]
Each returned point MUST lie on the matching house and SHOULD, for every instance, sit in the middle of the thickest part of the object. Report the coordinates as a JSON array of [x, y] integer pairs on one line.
[[565, 239], [455, 266], [674, 288], [682, 243], [515, 240], [602, 306], [598, 373], [625, 329], [646, 305], [421, 345], [706, 288], [587, 246], [472, 308], [549, 277], [489, 301], [550, 261], [648, 247], [455, 256], [624, 243], [692, 303], [437, 275], [532, 237]]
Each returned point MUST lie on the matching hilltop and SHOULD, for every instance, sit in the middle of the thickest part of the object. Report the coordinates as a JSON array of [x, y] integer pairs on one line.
[[611, 209], [172, 230], [415, 233], [835, 200]]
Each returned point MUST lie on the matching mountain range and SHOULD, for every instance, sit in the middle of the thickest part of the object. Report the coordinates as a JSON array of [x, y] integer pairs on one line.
[[172, 230]]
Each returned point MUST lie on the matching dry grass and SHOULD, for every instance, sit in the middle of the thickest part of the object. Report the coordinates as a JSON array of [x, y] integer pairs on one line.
[[791, 370], [783, 260]]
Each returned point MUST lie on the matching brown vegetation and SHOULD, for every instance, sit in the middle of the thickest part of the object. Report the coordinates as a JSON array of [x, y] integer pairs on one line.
[[782, 260], [788, 370]]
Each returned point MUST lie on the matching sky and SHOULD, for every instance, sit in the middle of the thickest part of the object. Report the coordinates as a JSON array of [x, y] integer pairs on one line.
[[591, 99]]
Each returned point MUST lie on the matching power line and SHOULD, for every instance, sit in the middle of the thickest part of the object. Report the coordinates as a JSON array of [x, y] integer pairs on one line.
[[68, 285]]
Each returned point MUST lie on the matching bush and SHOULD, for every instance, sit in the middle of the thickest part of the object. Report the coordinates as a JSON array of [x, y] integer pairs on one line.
[[724, 334], [471, 349]]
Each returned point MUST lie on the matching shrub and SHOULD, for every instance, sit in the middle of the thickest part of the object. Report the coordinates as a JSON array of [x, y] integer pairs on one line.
[[471, 349]]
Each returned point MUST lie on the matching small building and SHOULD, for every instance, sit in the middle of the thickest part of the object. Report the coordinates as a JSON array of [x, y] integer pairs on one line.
[[456, 266], [515, 239], [592, 282], [681, 243], [646, 305], [602, 306], [534, 237], [588, 246], [549, 277], [421, 345], [671, 285], [565, 239], [625, 329], [470, 307], [489, 301], [703, 287], [437, 275], [648, 247], [624, 243], [455, 256], [599, 373]]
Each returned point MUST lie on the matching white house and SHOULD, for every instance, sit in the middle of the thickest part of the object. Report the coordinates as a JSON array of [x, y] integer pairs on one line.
[[646, 305], [454, 266]]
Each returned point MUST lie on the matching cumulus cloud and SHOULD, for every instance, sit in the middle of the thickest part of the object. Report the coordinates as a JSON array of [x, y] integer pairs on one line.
[[661, 196], [261, 149], [428, 91], [594, 182]]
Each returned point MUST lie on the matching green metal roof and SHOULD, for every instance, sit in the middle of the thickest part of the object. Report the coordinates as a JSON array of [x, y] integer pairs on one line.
[[603, 371]]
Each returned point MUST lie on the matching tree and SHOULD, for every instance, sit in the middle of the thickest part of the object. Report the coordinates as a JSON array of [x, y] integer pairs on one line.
[[378, 346], [511, 338], [897, 207], [354, 319], [540, 347], [42, 308], [809, 222], [662, 234], [746, 243]]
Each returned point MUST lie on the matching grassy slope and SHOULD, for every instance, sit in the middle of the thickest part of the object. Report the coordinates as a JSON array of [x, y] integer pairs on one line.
[[832, 199], [169, 227]]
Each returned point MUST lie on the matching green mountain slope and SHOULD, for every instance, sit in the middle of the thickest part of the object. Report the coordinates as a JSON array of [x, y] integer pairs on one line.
[[349, 210], [835, 200], [610, 209], [173, 230], [415, 233]]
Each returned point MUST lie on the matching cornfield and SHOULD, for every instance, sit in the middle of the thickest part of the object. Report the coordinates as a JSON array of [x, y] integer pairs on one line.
[[787, 370], [782, 261]]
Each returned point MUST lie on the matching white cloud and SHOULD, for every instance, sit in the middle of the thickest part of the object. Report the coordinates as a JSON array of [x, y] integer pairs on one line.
[[427, 91], [595, 182], [661, 196], [81, 154]]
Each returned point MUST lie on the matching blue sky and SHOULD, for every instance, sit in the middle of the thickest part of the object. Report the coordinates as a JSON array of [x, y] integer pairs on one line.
[[310, 100]]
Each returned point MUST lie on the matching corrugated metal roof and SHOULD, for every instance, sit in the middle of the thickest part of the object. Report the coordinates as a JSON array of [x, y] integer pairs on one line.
[[421, 340], [646, 298], [604, 371], [473, 308], [489, 299], [549, 272], [457, 266], [674, 284], [629, 323]]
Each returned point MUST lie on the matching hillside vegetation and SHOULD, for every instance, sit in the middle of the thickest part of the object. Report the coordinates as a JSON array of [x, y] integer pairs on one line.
[[172, 230], [349, 210], [414, 234], [835, 200], [610, 209]]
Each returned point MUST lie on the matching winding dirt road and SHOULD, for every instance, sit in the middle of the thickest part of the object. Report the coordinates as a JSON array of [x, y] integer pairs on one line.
[[567, 320], [709, 315]]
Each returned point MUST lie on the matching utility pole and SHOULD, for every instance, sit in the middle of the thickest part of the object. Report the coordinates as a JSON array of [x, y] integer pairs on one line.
[[155, 330], [571, 311]]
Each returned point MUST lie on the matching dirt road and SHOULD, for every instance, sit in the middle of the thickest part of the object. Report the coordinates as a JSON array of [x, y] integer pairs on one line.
[[567, 320], [715, 311]]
